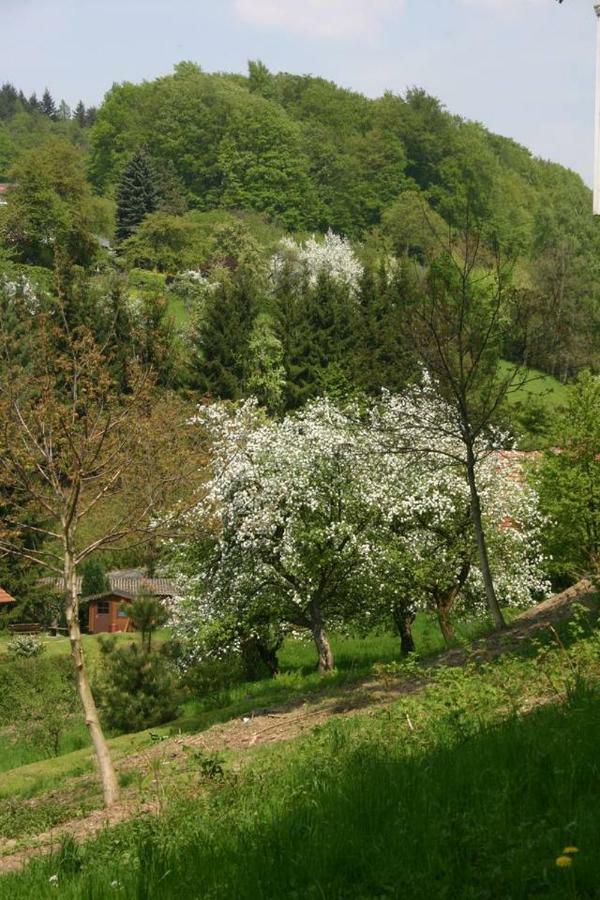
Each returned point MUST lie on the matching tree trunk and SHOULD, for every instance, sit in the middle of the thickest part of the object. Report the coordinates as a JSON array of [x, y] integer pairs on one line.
[[321, 641], [446, 626], [110, 785], [484, 561], [269, 657], [403, 621]]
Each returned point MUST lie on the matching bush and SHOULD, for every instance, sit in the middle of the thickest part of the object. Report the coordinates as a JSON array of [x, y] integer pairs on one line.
[[136, 689], [38, 700], [26, 646]]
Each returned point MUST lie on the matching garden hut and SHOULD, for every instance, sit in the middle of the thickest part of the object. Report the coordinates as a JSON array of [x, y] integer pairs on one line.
[[108, 612]]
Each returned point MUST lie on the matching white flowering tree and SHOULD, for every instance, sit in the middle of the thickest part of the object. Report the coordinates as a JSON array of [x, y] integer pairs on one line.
[[433, 546], [294, 525], [333, 257], [339, 519]]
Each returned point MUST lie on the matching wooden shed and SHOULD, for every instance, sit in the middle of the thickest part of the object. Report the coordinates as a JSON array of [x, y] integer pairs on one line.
[[107, 613]]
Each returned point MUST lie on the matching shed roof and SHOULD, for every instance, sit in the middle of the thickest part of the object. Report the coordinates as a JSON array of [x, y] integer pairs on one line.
[[133, 581], [5, 597], [122, 595]]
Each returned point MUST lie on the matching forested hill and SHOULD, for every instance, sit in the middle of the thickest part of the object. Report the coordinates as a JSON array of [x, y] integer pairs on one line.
[[317, 156], [162, 165]]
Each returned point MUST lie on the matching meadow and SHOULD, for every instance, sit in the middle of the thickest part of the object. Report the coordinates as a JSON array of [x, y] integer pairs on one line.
[[471, 785]]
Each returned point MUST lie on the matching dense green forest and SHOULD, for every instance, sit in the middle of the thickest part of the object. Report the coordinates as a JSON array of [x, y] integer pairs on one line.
[[278, 236], [220, 159]]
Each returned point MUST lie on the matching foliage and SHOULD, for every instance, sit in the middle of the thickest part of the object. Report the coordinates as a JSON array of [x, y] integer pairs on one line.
[[137, 194], [26, 646], [568, 479], [94, 578], [48, 220], [38, 700], [147, 614], [321, 521], [136, 688]]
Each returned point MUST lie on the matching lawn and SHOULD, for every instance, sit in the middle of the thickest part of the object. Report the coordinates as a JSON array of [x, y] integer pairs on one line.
[[539, 387]]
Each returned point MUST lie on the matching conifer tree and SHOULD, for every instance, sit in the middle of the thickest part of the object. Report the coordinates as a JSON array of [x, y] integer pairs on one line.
[[221, 340], [79, 114], [137, 195], [48, 105]]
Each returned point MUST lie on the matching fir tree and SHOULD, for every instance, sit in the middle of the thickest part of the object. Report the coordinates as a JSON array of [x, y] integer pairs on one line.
[[79, 114], [90, 116], [222, 339], [137, 195], [48, 105]]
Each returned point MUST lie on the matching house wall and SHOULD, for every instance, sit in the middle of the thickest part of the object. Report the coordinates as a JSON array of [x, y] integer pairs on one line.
[[110, 622]]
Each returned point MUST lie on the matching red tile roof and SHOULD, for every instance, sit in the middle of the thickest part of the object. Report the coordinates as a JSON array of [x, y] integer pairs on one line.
[[5, 597]]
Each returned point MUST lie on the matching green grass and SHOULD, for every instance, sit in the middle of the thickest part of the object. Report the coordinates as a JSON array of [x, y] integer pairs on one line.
[[541, 387], [60, 646], [27, 771], [446, 794]]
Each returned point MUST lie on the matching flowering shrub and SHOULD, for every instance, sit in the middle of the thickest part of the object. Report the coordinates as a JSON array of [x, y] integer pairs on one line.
[[26, 646]]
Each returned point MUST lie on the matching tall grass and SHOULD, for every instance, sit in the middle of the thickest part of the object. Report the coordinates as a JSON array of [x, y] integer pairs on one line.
[[369, 809]]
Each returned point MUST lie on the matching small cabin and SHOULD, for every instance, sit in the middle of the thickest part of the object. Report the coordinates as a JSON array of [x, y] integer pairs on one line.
[[108, 613]]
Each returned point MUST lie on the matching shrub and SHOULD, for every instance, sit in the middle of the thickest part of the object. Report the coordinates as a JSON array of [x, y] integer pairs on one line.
[[38, 700], [136, 689], [26, 646]]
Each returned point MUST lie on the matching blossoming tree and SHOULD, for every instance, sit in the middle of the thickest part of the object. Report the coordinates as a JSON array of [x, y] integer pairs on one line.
[[319, 522]]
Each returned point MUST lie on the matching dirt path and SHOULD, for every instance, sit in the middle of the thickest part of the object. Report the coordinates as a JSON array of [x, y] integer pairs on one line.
[[285, 722]]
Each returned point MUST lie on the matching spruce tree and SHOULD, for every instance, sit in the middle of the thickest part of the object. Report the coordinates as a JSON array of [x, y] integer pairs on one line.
[[138, 194], [79, 114], [48, 105], [221, 359]]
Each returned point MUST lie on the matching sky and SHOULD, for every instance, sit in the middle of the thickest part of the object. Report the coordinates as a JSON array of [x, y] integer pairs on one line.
[[525, 68]]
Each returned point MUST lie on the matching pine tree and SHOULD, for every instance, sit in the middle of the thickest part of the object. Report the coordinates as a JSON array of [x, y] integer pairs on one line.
[[33, 103], [79, 114], [222, 339], [137, 195], [8, 100], [48, 105], [90, 116]]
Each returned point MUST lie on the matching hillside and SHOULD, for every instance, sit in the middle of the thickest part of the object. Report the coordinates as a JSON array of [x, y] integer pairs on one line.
[[387, 762]]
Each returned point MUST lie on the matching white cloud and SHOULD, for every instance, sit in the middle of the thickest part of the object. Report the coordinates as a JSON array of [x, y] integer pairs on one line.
[[342, 19]]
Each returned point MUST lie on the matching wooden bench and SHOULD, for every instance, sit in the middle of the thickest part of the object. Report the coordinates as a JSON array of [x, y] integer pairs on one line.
[[25, 628]]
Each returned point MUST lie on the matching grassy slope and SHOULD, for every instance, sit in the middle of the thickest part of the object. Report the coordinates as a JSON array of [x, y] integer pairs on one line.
[[541, 387], [26, 770], [448, 793]]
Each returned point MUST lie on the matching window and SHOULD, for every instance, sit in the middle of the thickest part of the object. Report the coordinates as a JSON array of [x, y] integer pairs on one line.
[[103, 607], [123, 614]]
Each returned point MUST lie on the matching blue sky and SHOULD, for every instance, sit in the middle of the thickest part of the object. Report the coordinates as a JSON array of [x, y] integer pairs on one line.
[[525, 68]]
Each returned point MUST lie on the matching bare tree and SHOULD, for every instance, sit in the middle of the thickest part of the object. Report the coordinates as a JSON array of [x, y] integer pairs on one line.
[[457, 329], [93, 465]]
